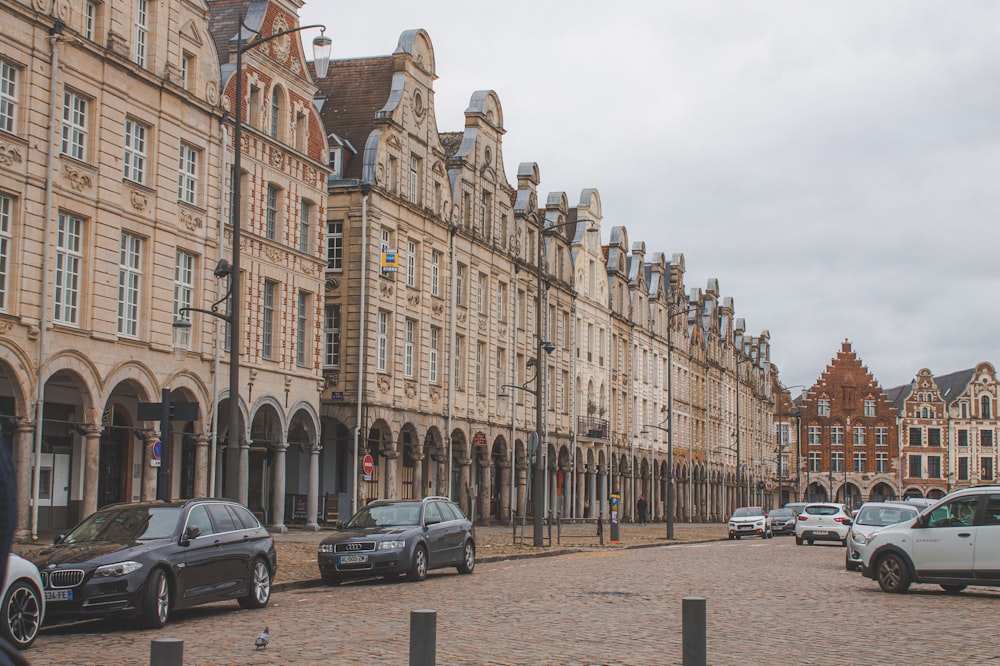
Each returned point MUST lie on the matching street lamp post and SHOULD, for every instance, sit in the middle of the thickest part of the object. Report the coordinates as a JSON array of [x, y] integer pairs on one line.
[[321, 57]]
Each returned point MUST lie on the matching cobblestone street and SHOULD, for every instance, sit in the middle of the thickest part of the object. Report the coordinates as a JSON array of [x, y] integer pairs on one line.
[[768, 602]]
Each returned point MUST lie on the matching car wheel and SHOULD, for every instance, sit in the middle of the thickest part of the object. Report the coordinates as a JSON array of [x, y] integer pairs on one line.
[[953, 589], [418, 569], [331, 579], [811, 541], [156, 604], [468, 558], [892, 573], [21, 615], [798, 540], [260, 586], [731, 537], [770, 534]]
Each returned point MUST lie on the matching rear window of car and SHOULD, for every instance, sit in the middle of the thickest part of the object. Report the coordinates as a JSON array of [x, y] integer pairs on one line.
[[822, 510], [748, 512], [782, 513], [880, 516]]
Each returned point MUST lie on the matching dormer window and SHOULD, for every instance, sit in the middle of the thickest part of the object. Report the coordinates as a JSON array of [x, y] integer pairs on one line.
[[337, 161]]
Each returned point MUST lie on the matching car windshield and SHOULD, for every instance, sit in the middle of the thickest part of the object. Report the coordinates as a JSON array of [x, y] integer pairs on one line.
[[820, 510], [386, 515], [747, 512], [133, 523], [880, 516], [782, 513]]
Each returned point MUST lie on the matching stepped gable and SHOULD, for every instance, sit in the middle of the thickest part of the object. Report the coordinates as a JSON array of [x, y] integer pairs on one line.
[[848, 380]]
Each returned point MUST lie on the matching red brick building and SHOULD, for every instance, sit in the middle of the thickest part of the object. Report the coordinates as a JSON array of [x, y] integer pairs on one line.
[[849, 449]]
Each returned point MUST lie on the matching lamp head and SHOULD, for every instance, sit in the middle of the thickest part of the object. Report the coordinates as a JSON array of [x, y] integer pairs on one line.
[[548, 347], [322, 45], [222, 269]]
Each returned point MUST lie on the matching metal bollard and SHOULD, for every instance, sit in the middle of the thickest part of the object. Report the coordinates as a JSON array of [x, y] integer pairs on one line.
[[166, 652], [693, 622], [423, 637]]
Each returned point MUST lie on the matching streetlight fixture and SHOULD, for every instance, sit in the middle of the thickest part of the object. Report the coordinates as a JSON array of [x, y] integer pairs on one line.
[[322, 46], [670, 471]]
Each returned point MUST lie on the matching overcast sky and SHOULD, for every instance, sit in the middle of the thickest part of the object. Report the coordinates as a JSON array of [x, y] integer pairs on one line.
[[836, 165]]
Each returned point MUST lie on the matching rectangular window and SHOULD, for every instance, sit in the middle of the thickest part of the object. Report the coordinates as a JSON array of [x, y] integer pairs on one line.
[[128, 285], [986, 438], [135, 151], [963, 437], [90, 20], [933, 467], [934, 437], [411, 264], [882, 436], [435, 274], [482, 293], [183, 294], [915, 467], [460, 285], [8, 97], [275, 112], [459, 356], [382, 342], [141, 31], [522, 309], [836, 435], [305, 213], [860, 462], [481, 368], [486, 216], [409, 345], [986, 469], [187, 70], [187, 174], [74, 126], [963, 468], [823, 407], [432, 358], [331, 336], [869, 408], [271, 213], [501, 301], [6, 216], [414, 179], [859, 436], [301, 328], [837, 461], [335, 245], [915, 436], [814, 461], [69, 257], [882, 463], [267, 322]]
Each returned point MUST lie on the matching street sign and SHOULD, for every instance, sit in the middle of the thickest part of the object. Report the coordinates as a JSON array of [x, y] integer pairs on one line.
[[154, 460], [368, 466]]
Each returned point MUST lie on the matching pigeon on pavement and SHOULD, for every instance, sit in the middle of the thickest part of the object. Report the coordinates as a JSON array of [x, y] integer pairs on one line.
[[262, 639]]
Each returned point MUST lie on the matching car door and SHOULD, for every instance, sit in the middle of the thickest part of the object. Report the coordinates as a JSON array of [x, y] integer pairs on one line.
[[231, 565], [436, 533], [987, 558], [944, 540], [197, 569]]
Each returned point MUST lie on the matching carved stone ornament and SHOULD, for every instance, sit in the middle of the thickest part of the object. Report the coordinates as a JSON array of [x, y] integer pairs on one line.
[[462, 316], [274, 254], [481, 405], [385, 288], [411, 389], [192, 222], [5, 327], [435, 394], [139, 200], [332, 284], [212, 93], [413, 299], [282, 46], [383, 383], [332, 378], [34, 332], [78, 180], [502, 331], [9, 154], [437, 308], [278, 159]]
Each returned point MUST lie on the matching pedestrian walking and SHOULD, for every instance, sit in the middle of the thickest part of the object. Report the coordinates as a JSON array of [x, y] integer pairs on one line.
[[642, 506]]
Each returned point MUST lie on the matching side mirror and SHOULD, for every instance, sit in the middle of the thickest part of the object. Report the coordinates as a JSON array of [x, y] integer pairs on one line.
[[58, 539], [848, 522], [192, 532]]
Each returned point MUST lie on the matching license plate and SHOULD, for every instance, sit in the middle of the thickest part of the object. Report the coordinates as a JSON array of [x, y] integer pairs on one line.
[[818, 532], [58, 595], [353, 559]]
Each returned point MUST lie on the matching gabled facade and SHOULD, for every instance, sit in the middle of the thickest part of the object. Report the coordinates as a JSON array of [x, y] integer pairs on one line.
[[923, 422], [973, 425]]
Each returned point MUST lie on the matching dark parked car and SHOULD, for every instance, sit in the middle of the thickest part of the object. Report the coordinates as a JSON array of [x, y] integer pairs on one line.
[[783, 521], [147, 559], [392, 537]]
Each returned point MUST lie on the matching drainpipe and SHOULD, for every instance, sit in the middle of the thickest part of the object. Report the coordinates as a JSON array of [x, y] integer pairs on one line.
[[43, 320], [451, 360], [217, 361], [365, 190], [512, 368]]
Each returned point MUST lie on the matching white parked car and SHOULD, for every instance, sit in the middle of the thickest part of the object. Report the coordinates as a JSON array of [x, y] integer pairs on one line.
[[953, 544], [750, 521], [871, 517], [822, 521], [23, 606]]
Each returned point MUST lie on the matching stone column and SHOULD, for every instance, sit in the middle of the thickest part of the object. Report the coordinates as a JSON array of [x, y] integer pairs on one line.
[[603, 494], [24, 436], [504, 492], [148, 490], [595, 502], [464, 479], [278, 489], [581, 491], [521, 472], [201, 467], [418, 475], [485, 489], [312, 492], [91, 469], [243, 480], [390, 487]]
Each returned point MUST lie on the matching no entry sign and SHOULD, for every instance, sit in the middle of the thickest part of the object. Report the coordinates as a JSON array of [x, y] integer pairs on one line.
[[368, 466]]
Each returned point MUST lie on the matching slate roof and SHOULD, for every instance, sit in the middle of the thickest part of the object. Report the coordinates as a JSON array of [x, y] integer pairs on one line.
[[951, 386], [355, 89]]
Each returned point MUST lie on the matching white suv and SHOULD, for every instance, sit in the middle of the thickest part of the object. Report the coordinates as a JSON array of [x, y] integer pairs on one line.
[[953, 544], [822, 521], [871, 517]]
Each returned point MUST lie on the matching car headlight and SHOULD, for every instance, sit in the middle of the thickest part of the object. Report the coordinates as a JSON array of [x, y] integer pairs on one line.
[[861, 539], [326, 548], [732, 526], [117, 569], [391, 545]]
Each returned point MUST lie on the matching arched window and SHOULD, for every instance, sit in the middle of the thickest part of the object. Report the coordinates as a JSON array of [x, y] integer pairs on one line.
[[277, 111], [984, 407]]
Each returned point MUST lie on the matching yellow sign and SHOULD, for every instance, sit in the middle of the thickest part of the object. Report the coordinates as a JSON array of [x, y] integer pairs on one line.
[[390, 261]]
